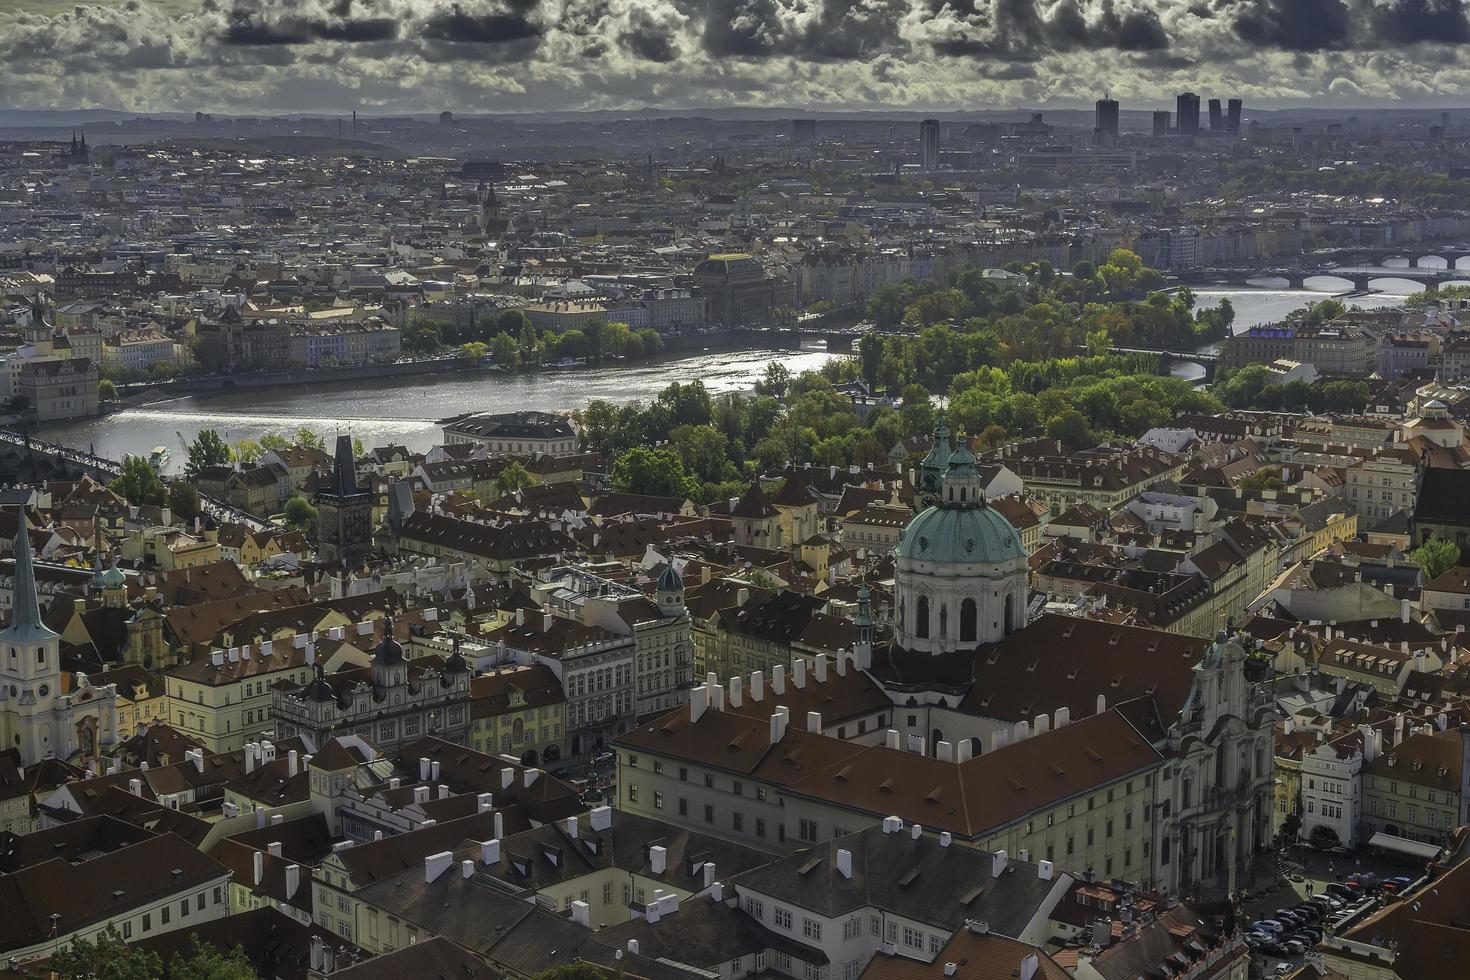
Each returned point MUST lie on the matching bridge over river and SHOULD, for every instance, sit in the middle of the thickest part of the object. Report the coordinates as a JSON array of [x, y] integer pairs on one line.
[[27, 449]]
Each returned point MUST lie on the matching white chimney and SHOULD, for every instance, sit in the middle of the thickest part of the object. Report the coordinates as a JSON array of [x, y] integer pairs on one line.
[[964, 751], [943, 751], [443, 792], [717, 892], [436, 864], [1102, 703], [798, 673], [530, 776], [507, 776], [997, 863], [709, 874], [582, 914], [259, 865], [484, 802], [572, 827], [891, 738], [814, 722], [293, 763], [1029, 965], [600, 819], [945, 838], [293, 879], [424, 769], [1023, 730], [844, 862], [633, 946], [841, 664], [716, 694], [757, 685], [916, 830], [949, 969], [1041, 723], [434, 770], [736, 692], [498, 825], [274, 848], [490, 852], [892, 825], [1044, 870], [778, 679], [1063, 717], [135, 786], [698, 703], [658, 858], [778, 725], [821, 668], [466, 868]]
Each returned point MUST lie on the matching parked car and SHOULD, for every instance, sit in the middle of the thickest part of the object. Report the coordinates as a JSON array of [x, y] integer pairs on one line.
[[1295, 947], [1267, 925], [1282, 970]]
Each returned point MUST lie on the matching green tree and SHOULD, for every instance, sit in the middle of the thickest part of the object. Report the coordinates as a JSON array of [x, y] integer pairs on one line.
[[308, 438], [300, 514], [1071, 428], [273, 441], [106, 958], [183, 500], [776, 380], [687, 404], [1436, 556], [505, 352], [514, 477], [106, 391], [652, 341], [870, 352], [138, 483], [474, 351], [656, 472], [206, 962], [1265, 478], [247, 450], [704, 450], [208, 449]]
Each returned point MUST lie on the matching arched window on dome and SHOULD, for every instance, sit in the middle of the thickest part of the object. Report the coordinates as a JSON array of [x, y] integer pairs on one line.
[[968, 617], [943, 621], [921, 622]]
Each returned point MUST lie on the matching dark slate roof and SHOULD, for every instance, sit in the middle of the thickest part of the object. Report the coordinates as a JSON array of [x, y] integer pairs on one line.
[[917, 879]]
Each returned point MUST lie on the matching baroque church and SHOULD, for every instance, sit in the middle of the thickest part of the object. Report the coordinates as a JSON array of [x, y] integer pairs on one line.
[[967, 663]]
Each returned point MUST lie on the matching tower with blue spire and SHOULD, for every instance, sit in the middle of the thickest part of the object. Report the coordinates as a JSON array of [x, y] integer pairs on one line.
[[30, 664]]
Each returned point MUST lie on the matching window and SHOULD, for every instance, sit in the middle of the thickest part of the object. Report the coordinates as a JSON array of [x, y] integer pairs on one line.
[[760, 826], [632, 793], [737, 821], [936, 943], [755, 908], [875, 926], [760, 793], [852, 928], [738, 788], [127, 926], [783, 918], [807, 830], [709, 813], [913, 938], [163, 915], [658, 800], [811, 929], [683, 807], [147, 921]]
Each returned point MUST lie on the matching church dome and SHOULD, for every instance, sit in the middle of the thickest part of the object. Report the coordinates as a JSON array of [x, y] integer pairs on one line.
[[961, 535], [669, 580], [110, 577]]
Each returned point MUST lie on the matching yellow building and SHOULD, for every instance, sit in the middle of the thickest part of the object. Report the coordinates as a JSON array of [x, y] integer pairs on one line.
[[142, 698], [170, 548], [520, 711]]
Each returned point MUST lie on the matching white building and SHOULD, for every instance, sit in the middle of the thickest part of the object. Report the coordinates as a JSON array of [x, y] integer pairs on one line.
[[1332, 787]]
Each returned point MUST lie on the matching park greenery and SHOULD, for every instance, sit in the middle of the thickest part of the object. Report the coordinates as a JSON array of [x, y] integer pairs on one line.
[[108, 957], [1409, 187], [1436, 556], [510, 341]]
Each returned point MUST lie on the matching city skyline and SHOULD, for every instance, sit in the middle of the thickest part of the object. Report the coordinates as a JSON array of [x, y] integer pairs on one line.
[[558, 55]]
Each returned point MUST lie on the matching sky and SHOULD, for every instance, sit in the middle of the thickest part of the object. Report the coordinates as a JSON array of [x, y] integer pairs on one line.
[[246, 56]]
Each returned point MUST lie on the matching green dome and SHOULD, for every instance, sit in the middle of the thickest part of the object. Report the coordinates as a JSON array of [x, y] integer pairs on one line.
[[109, 578], [961, 535]]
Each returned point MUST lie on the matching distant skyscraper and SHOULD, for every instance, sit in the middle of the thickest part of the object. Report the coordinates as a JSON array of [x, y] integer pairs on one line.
[[1105, 124], [1186, 114], [1232, 117], [803, 130], [1217, 117], [929, 144], [1161, 122]]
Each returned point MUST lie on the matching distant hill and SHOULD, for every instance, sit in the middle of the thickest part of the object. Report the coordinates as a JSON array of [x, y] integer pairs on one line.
[[310, 146]]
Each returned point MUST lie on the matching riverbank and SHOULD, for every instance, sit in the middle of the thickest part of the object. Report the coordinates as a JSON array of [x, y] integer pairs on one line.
[[144, 393]]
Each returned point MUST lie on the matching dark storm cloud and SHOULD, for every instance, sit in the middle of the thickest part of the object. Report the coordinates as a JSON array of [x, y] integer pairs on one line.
[[649, 39], [1027, 30], [1295, 25], [251, 25], [484, 23], [1414, 21]]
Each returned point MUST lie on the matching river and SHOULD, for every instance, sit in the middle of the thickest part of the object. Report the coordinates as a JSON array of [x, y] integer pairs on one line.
[[404, 411]]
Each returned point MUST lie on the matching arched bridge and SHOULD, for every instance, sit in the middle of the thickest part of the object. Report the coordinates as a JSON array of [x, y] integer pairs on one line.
[[1204, 359], [1296, 276]]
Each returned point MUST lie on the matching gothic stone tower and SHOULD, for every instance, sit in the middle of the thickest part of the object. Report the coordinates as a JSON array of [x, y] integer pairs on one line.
[[344, 513]]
